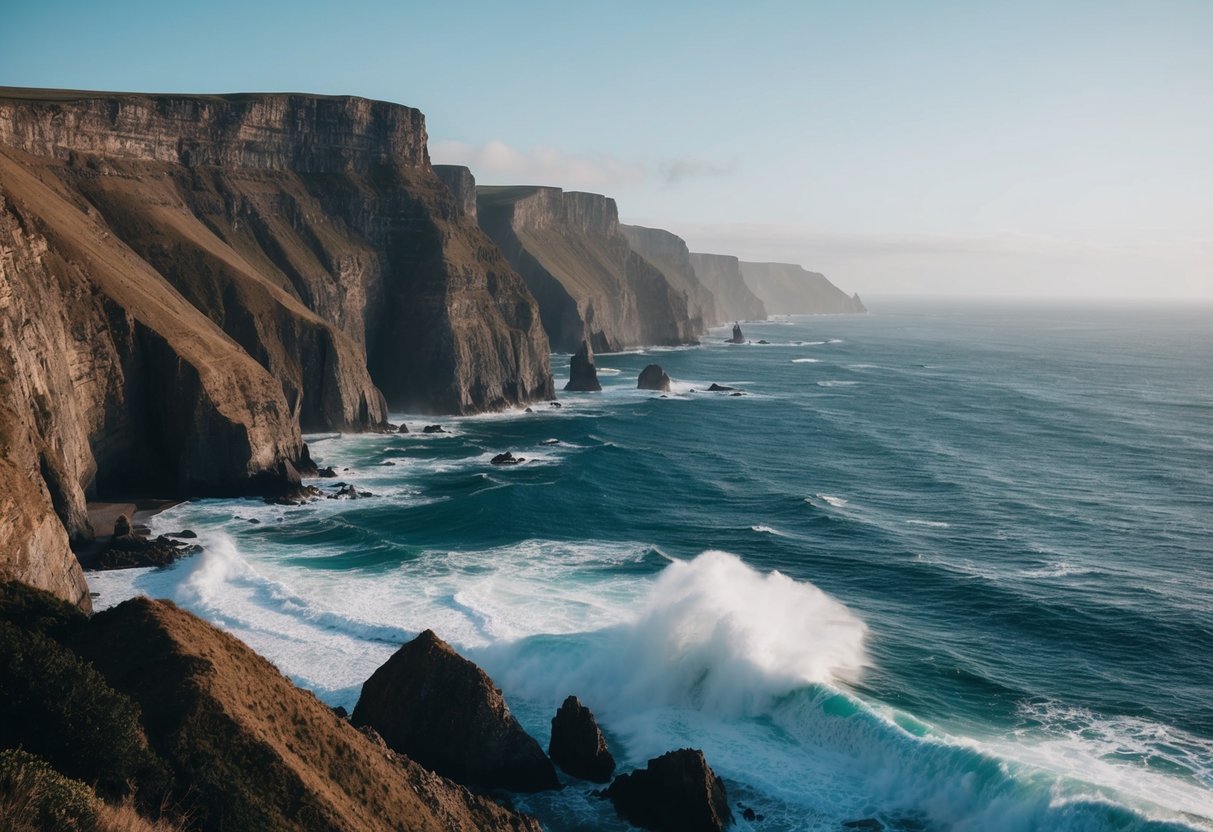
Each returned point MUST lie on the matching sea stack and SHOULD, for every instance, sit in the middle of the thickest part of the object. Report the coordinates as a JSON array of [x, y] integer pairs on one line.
[[438, 708], [737, 338], [676, 792], [653, 377], [577, 744], [583, 375]]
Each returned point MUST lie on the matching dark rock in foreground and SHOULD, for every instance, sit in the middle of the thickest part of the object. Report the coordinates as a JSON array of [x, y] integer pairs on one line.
[[433, 429], [676, 792], [577, 744], [737, 338], [653, 377], [443, 711], [507, 458], [583, 375]]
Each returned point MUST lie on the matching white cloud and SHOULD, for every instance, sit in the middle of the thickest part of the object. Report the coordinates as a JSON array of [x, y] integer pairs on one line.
[[674, 171]]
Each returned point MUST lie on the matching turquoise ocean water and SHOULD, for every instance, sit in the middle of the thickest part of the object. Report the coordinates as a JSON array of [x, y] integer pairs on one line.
[[947, 567]]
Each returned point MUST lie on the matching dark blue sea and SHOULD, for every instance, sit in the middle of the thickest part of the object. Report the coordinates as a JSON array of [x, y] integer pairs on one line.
[[946, 566]]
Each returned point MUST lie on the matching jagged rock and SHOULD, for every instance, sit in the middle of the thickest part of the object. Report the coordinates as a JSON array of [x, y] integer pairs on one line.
[[249, 750], [676, 792], [184, 534], [327, 472], [556, 404], [653, 377], [577, 744], [583, 375], [346, 491], [127, 551], [122, 525], [737, 338], [720, 388], [403, 428], [435, 706], [507, 458], [433, 429]]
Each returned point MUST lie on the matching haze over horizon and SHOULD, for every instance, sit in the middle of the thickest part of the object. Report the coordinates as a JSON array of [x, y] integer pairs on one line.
[[1042, 150]]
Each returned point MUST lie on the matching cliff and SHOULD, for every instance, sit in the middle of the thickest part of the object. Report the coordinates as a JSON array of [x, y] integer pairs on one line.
[[190, 280], [789, 289], [721, 274], [152, 699], [669, 253], [588, 281]]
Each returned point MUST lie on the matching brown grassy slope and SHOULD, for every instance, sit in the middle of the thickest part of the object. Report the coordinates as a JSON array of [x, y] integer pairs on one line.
[[257, 752]]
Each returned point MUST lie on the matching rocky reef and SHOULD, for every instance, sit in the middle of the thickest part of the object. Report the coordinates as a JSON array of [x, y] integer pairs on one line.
[[676, 792], [189, 281], [577, 744], [589, 283], [788, 289], [669, 253], [721, 275]]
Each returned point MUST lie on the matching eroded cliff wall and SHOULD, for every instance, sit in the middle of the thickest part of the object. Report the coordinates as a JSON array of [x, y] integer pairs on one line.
[[721, 273], [588, 281], [669, 253], [788, 289]]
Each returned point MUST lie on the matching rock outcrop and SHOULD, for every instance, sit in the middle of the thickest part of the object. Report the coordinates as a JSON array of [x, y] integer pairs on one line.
[[588, 281], [676, 792], [653, 377], [577, 744], [788, 289], [583, 375], [249, 750], [669, 253], [721, 275], [738, 337], [438, 708]]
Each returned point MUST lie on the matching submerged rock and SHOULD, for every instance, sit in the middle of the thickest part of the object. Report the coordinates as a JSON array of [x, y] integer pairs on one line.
[[577, 744], [676, 792], [720, 388], [507, 458], [433, 429], [737, 338], [653, 377], [583, 375], [443, 711]]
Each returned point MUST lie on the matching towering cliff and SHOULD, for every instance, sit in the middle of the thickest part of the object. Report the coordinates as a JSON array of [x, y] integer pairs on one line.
[[786, 288], [189, 280], [669, 253], [721, 274], [588, 281]]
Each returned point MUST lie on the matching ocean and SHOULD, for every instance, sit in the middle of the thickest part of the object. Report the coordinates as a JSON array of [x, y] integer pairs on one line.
[[947, 566]]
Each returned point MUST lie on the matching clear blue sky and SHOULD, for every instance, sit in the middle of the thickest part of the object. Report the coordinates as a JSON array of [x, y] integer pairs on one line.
[[991, 148]]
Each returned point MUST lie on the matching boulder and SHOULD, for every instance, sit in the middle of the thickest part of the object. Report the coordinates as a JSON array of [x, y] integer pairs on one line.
[[720, 388], [583, 375], [402, 429], [122, 526], [577, 744], [676, 792], [438, 708], [507, 458], [737, 338], [433, 429], [653, 377]]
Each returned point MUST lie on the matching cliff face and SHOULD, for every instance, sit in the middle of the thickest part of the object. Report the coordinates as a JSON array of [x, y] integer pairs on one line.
[[188, 280], [668, 252], [786, 288], [588, 281], [314, 231], [721, 273]]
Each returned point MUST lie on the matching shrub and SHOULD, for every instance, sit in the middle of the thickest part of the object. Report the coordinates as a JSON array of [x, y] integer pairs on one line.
[[36, 798], [58, 706], [34, 609]]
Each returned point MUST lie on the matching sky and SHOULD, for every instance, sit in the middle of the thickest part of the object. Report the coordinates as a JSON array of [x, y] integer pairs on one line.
[[1055, 148]]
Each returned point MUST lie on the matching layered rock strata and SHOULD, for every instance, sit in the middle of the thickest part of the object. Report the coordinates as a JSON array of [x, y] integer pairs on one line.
[[588, 281], [669, 253]]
